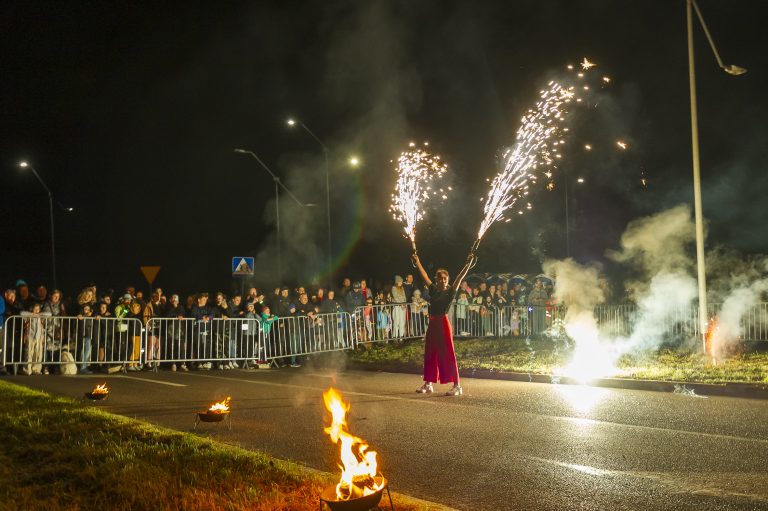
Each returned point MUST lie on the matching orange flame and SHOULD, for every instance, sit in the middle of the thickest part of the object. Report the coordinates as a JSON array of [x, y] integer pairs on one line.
[[100, 389], [220, 407], [712, 337], [358, 464]]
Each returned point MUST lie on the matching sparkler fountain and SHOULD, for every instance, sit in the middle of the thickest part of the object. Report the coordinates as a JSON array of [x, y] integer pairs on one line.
[[418, 171], [530, 154]]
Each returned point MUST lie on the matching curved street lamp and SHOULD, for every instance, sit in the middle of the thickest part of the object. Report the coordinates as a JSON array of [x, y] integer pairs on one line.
[[26, 165], [732, 70]]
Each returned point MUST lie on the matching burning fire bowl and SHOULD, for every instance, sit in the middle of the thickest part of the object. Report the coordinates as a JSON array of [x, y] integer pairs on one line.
[[96, 396], [212, 416], [357, 502]]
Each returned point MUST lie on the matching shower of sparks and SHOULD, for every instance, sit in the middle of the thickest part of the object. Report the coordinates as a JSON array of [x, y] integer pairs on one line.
[[418, 171], [586, 64], [530, 153]]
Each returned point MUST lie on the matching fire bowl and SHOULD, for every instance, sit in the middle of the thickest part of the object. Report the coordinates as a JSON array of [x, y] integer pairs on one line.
[[212, 417], [96, 396], [357, 502]]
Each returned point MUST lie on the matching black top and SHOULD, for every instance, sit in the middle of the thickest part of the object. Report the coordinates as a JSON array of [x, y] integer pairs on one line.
[[440, 301]]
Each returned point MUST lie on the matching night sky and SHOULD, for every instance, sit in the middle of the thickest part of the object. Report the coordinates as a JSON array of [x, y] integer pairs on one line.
[[131, 113]]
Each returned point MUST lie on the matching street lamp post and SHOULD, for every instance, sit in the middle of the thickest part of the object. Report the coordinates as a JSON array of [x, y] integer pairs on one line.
[[278, 184], [26, 165], [292, 122], [732, 70]]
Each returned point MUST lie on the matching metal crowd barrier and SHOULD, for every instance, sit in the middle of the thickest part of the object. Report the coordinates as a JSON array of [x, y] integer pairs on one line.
[[37, 343], [207, 343], [391, 321], [41, 343], [304, 335]]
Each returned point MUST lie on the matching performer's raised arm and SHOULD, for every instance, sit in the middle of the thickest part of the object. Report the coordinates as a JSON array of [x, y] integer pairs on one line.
[[421, 269], [471, 260]]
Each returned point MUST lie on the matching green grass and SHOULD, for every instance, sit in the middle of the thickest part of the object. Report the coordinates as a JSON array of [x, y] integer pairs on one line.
[[545, 356], [58, 454]]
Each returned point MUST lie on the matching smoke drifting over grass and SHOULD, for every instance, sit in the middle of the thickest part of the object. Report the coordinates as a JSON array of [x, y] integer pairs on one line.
[[658, 251]]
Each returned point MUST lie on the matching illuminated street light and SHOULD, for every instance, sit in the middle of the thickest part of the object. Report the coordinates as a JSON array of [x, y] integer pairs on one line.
[[732, 70], [25, 165], [278, 184]]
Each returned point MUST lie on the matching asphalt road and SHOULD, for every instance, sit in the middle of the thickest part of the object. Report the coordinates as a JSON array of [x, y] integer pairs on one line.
[[503, 445]]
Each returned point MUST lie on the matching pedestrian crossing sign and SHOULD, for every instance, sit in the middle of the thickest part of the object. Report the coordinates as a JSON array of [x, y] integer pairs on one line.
[[242, 266]]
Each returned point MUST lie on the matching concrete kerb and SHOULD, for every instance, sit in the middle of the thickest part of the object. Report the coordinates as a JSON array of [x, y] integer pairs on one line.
[[744, 390]]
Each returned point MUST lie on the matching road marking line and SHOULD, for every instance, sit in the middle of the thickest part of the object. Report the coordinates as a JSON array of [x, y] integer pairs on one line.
[[451, 402], [320, 389], [682, 482], [146, 380]]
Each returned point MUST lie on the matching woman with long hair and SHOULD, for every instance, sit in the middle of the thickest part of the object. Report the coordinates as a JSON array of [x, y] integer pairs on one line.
[[439, 356]]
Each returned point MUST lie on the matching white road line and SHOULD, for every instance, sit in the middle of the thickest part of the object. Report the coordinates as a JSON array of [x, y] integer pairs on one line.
[[719, 485], [146, 380], [453, 402]]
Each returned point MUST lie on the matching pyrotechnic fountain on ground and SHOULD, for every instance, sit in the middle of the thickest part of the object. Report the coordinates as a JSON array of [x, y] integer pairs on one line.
[[418, 174]]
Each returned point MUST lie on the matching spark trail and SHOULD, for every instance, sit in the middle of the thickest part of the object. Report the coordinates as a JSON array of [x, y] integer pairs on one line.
[[530, 154]]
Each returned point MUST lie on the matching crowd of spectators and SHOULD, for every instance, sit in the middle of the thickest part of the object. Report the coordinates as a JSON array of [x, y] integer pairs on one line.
[[476, 301]]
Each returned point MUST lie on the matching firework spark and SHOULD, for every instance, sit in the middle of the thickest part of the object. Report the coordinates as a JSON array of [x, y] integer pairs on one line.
[[621, 144], [529, 154], [418, 171], [586, 64]]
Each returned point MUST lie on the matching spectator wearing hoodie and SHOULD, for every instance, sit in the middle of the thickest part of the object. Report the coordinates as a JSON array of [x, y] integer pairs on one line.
[[176, 333], [85, 339]]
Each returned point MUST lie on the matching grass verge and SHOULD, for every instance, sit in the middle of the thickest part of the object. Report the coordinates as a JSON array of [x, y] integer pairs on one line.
[[545, 357], [58, 454]]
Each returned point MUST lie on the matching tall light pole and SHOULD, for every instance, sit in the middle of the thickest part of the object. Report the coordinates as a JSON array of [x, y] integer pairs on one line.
[[278, 184], [26, 165], [293, 122], [732, 70]]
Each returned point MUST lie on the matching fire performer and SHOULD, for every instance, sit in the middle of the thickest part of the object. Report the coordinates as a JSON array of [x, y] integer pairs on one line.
[[439, 356]]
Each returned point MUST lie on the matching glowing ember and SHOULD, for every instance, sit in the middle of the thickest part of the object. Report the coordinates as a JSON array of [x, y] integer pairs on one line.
[[358, 464], [100, 389], [529, 154], [417, 170], [220, 407]]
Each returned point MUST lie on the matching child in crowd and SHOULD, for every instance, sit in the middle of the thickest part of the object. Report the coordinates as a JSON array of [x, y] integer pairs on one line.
[[461, 313], [34, 339]]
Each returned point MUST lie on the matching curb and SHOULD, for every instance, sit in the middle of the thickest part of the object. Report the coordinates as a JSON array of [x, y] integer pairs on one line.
[[743, 390]]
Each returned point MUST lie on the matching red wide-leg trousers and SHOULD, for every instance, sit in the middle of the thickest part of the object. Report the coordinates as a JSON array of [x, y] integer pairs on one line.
[[439, 356]]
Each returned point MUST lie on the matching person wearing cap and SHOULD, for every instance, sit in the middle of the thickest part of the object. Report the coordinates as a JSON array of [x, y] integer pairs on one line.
[[439, 355], [354, 298], [399, 299]]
